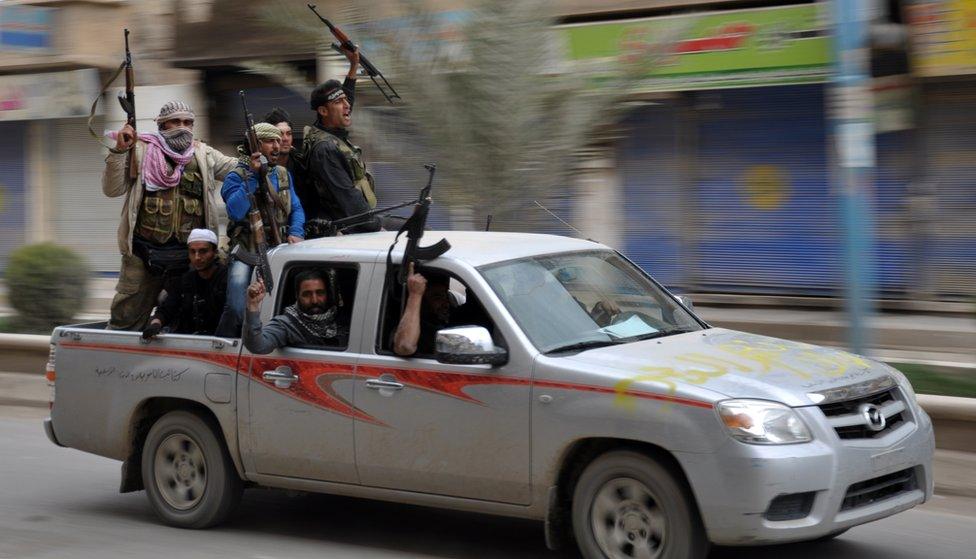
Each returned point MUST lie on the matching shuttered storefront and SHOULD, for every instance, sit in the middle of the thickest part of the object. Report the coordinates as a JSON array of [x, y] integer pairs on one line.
[[767, 220], [898, 255], [650, 171], [949, 133], [13, 172], [84, 219]]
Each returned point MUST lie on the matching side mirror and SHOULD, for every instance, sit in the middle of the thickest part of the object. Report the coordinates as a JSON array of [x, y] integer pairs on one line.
[[468, 345], [686, 301]]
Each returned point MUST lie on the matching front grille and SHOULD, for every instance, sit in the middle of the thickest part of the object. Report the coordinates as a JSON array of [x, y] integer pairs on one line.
[[849, 423], [880, 488], [790, 507]]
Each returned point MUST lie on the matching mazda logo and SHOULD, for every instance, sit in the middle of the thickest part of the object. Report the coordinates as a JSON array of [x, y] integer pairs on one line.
[[873, 417]]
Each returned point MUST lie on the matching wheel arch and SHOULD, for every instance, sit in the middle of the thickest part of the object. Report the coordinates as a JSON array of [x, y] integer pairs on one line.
[[576, 457], [145, 414]]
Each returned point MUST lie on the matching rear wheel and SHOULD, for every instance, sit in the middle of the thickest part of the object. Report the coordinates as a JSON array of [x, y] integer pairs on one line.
[[627, 505], [188, 475]]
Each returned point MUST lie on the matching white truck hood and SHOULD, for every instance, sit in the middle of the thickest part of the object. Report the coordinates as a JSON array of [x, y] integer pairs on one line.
[[736, 364]]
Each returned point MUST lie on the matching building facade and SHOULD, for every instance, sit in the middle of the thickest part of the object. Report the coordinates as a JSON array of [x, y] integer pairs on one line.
[[717, 178]]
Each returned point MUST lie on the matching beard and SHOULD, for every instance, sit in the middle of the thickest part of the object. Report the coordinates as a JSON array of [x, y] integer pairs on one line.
[[178, 139], [311, 309]]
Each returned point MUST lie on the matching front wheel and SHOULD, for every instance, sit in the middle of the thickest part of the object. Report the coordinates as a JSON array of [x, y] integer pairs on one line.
[[187, 473], [627, 505]]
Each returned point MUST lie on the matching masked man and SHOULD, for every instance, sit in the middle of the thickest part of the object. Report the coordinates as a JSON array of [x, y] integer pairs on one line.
[[194, 301], [239, 184], [311, 321], [175, 193]]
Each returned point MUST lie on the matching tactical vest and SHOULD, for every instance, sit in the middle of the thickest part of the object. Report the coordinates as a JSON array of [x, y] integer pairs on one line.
[[361, 178], [240, 232], [173, 212]]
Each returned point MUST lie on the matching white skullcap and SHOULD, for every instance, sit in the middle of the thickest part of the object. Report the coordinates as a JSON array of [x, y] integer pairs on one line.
[[202, 235]]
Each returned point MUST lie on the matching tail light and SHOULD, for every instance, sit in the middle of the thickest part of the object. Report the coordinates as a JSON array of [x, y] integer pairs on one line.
[[50, 375]]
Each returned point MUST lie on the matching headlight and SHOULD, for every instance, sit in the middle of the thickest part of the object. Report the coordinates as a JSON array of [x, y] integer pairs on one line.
[[903, 383], [762, 422]]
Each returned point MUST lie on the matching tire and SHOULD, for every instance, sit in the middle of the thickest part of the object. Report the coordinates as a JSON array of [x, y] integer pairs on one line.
[[627, 505], [188, 475]]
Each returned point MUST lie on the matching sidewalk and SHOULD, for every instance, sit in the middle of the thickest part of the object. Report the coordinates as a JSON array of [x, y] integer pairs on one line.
[[955, 472]]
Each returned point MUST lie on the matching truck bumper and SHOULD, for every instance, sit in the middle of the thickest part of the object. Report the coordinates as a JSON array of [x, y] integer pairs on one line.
[[49, 430], [754, 495]]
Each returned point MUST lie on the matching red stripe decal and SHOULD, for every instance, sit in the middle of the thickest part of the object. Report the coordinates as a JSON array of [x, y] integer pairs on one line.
[[315, 386]]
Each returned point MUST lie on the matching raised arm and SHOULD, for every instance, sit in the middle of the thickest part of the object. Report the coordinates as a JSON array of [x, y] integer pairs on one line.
[[408, 331], [257, 338], [115, 179]]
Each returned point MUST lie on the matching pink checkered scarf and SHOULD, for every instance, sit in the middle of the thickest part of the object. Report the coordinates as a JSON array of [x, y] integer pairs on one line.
[[155, 169]]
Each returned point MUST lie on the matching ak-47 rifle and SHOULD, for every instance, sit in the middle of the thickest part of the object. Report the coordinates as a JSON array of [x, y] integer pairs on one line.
[[414, 228], [346, 44], [266, 201], [259, 258], [128, 102], [319, 227]]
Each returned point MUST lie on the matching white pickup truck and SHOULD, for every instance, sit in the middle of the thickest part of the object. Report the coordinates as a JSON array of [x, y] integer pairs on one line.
[[578, 391]]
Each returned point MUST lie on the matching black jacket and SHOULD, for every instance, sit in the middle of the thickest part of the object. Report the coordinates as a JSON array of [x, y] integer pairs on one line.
[[193, 305], [327, 183]]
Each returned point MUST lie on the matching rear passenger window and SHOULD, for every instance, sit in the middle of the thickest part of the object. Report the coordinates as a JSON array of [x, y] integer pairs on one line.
[[320, 297]]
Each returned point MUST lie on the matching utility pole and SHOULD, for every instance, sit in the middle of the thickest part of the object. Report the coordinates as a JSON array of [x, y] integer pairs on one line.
[[851, 115]]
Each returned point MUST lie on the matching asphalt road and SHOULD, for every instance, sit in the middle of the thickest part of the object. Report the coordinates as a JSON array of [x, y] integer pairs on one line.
[[57, 503]]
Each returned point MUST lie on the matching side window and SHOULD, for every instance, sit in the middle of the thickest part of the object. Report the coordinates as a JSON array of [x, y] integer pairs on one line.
[[447, 302], [318, 299]]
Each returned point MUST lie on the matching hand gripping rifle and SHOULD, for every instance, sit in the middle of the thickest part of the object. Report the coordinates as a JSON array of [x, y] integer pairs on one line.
[[258, 259], [346, 44], [266, 200], [414, 228], [128, 102]]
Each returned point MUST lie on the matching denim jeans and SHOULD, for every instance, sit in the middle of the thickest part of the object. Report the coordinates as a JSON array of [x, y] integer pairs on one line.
[[232, 320]]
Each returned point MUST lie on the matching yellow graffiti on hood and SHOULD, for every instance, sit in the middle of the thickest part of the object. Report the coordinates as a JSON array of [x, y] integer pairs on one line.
[[754, 355]]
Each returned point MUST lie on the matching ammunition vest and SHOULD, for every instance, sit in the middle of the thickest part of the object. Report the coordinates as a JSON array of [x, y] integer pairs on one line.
[[355, 164], [240, 232], [173, 212]]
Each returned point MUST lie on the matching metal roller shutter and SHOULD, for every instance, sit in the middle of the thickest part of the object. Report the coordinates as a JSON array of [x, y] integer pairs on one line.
[[893, 175], [767, 220], [950, 139], [84, 219], [649, 167], [13, 212]]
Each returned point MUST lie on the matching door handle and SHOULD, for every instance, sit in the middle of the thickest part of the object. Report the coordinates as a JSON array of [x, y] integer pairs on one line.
[[378, 384], [283, 377]]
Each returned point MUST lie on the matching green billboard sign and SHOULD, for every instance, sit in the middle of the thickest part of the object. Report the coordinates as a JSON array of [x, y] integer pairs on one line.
[[763, 46]]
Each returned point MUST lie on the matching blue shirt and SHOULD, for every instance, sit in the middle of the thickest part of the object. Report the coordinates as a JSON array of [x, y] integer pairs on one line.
[[235, 193]]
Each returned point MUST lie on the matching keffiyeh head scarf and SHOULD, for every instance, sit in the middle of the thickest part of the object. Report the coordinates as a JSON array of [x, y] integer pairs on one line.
[[321, 325]]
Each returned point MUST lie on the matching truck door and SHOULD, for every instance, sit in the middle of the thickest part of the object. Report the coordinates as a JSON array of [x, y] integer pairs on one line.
[[300, 412], [457, 430]]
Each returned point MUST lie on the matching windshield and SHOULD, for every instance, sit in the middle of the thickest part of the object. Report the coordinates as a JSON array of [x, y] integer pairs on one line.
[[582, 300]]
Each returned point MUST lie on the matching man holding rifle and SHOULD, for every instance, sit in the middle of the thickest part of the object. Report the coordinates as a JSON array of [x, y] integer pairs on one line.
[[169, 191], [238, 191], [333, 166]]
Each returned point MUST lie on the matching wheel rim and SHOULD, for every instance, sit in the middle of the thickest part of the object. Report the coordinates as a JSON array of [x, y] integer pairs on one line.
[[180, 471], [627, 521]]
